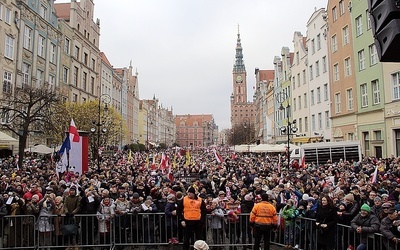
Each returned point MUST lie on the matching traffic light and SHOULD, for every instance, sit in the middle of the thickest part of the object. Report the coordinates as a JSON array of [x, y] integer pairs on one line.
[[385, 24]]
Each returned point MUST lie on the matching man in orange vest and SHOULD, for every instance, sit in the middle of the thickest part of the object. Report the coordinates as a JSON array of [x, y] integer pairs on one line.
[[192, 213], [263, 218]]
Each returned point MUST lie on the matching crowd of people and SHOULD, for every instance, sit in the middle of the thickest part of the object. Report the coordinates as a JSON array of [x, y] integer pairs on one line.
[[194, 188]]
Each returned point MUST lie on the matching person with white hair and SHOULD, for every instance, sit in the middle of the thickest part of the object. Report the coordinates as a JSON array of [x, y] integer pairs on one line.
[[201, 245]]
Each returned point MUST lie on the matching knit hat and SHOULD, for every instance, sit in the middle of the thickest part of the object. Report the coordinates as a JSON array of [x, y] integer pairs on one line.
[[171, 197], [305, 197], [365, 207], [386, 205], [349, 197], [192, 190], [200, 245], [248, 197]]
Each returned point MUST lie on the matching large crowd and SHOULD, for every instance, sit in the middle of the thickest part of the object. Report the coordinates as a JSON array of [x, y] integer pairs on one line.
[[363, 195]]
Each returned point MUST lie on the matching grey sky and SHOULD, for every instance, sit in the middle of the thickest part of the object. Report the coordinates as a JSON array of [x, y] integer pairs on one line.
[[184, 50]]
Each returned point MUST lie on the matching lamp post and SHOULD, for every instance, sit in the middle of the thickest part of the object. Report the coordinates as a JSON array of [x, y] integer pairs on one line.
[[105, 99], [147, 132], [290, 128], [165, 135], [246, 125]]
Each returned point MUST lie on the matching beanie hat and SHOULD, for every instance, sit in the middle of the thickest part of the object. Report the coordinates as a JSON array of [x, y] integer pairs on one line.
[[171, 197], [349, 197], [365, 207], [200, 245], [192, 190]]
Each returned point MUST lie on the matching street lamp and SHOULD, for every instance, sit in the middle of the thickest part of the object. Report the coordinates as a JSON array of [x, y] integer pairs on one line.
[[105, 99], [165, 135], [147, 133], [290, 128]]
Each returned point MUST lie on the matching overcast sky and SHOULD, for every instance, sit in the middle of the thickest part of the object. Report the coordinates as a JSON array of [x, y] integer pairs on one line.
[[184, 50]]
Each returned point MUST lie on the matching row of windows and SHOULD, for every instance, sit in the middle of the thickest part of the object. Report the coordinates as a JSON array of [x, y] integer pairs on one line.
[[41, 45], [5, 14], [76, 78], [319, 121], [297, 102], [374, 89], [77, 54]]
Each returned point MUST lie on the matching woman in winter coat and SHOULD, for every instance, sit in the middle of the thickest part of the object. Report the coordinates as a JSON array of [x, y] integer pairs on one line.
[[45, 222], [216, 219], [326, 221], [171, 219]]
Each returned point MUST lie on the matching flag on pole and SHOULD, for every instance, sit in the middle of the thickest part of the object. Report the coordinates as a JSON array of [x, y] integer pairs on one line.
[[217, 156], [63, 153], [187, 163], [73, 132], [279, 163], [164, 161]]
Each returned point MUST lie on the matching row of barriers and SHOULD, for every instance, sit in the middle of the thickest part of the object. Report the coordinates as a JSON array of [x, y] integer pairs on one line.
[[150, 229]]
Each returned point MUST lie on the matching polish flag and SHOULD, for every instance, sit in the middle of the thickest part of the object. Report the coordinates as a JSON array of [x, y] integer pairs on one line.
[[375, 175], [164, 161], [217, 156], [73, 132]]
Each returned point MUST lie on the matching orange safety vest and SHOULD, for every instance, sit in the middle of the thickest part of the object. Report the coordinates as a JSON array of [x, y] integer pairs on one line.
[[264, 213], [192, 208]]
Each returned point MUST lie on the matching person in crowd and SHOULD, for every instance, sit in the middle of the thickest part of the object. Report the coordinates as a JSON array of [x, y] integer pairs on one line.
[[289, 213], [246, 206], [72, 206], [190, 212], [376, 208], [122, 207], [149, 219], [389, 229], [90, 203], [216, 220], [385, 209], [233, 210], [200, 245], [105, 214], [326, 219], [135, 222], [264, 219], [58, 211], [31, 209], [171, 219], [364, 225], [33, 190], [45, 221]]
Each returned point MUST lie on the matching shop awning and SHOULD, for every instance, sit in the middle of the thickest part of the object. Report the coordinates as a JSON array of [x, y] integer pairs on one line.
[[301, 140]]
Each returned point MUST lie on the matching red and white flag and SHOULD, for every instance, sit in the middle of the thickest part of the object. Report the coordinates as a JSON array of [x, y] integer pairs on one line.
[[73, 132], [164, 161], [217, 156], [375, 175]]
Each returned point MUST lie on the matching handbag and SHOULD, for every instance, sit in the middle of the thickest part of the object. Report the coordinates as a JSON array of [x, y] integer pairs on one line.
[[69, 229]]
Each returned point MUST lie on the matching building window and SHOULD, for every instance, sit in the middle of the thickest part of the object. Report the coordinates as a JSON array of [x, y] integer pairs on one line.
[[93, 64], [75, 79], [316, 68], [350, 100], [313, 46], [1, 11], [312, 97], [366, 140], [361, 59], [311, 73], [92, 85], [74, 98], [359, 29], [350, 136], [299, 103], [43, 11], [27, 37], [41, 46], [39, 78], [298, 80], [52, 53], [373, 54], [334, 43], [52, 81], [368, 20], [327, 119], [376, 92], [319, 95], [297, 58], [318, 41], [346, 38], [84, 81], [336, 72], [319, 120], [9, 47], [294, 104], [326, 95], [7, 82], [65, 75], [313, 122], [306, 124], [67, 44], [396, 86], [305, 100], [347, 66], [364, 95], [7, 16], [300, 125], [334, 14], [341, 7], [26, 74], [324, 65], [85, 58], [378, 134], [337, 103], [304, 76], [76, 52]]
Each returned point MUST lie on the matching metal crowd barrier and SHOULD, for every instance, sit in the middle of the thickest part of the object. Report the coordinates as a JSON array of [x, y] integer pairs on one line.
[[149, 229]]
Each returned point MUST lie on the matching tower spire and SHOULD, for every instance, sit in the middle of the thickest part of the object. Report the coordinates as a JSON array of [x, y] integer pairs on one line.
[[239, 64]]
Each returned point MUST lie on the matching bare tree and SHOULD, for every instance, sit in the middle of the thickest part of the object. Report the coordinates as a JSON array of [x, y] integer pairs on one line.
[[29, 110]]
